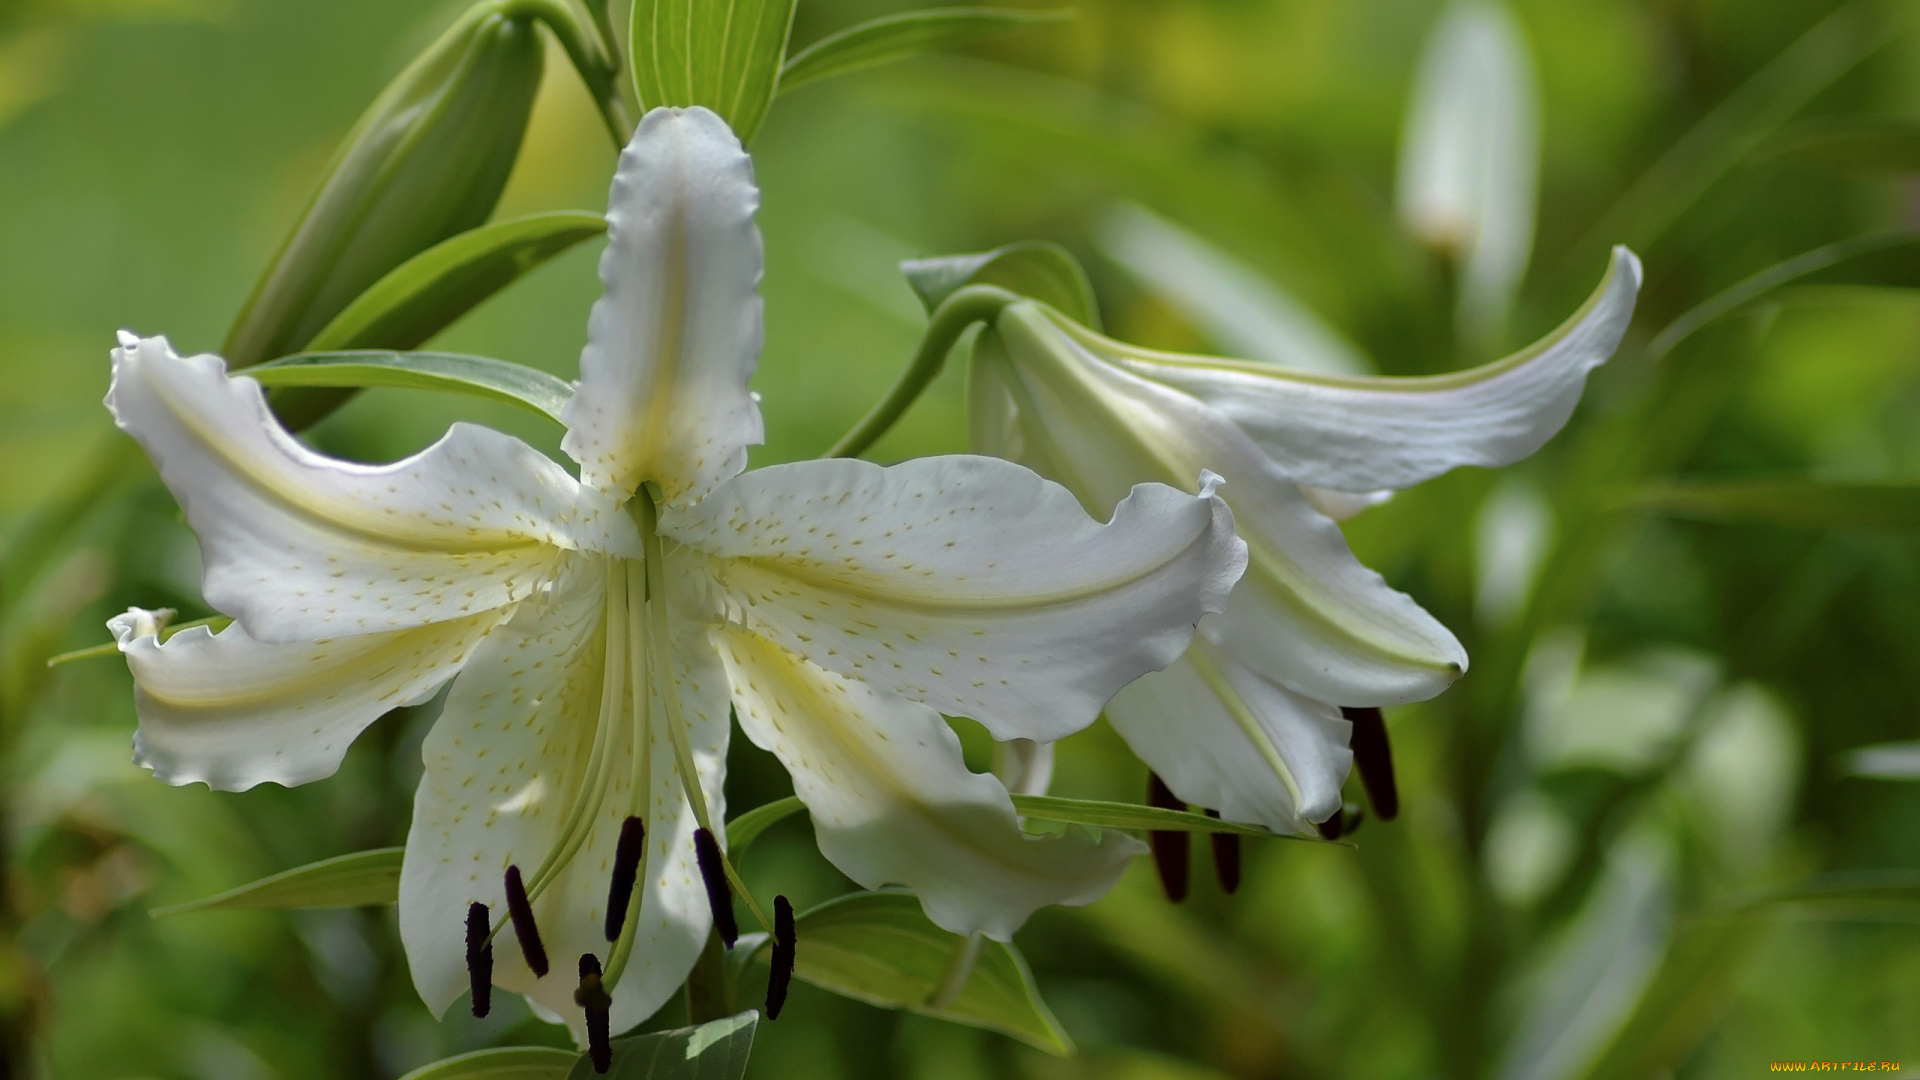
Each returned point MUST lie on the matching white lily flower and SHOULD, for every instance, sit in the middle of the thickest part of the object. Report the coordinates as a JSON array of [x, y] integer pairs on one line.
[[600, 628], [1249, 722]]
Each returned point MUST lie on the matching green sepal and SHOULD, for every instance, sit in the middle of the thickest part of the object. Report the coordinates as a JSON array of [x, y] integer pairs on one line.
[[1119, 815], [509, 1063], [897, 37], [716, 1050], [1034, 268], [426, 161], [362, 879], [1803, 503], [425, 294], [723, 54], [880, 948], [746, 828], [1880, 261], [480, 376]]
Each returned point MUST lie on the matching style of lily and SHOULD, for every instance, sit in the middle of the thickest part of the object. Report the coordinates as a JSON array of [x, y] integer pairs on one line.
[[597, 630], [1250, 722]]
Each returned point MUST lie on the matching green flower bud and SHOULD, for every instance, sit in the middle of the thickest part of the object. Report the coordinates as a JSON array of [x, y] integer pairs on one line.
[[426, 161]]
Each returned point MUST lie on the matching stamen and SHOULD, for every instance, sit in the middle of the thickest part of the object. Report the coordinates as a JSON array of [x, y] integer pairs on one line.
[[480, 958], [592, 997], [1373, 756], [626, 870], [520, 911], [1226, 857], [783, 946], [1344, 822], [719, 896], [1171, 853]]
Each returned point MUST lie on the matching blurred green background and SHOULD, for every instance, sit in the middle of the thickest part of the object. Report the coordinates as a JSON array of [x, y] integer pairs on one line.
[[1599, 821]]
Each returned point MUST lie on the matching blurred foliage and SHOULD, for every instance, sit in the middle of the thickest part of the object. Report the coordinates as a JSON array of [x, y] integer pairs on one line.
[[1652, 741]]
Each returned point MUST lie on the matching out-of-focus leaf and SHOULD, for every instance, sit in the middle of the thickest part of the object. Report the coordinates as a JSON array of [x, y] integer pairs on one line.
[[1880, 261], [425, 294], [716, 1050], [510, 1063], [723, 54], [1849, 144], [1119, 815], [1470, 157], [481, 376], [362, 879], [1810, 504], [1688, 993], [1886, 761], [1887, 886], [1037, 269], [1737, 126], [880, 947], [746, 828], [1240, 309], [897, 37]]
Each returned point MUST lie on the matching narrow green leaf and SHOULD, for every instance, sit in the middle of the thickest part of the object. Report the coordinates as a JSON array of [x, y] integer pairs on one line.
[[1881, 144], [362, 879], [1801, 503], [425, 294], [1738, 126], [746, 828], [897, 37], [480, 376], [1880, 261], [1851, 887], [1119, 815], [1689, 991], [1036, 269], [723, 54], [716, 1050], [880, 948], [510, 1063]]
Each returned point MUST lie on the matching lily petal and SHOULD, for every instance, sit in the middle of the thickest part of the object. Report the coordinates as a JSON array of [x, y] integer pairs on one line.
[[663, 380], [1314, 618], [503, 762], [1225, 738], [893, 803], [232, 712], [966, 583], [299, 546], [1367, 434]]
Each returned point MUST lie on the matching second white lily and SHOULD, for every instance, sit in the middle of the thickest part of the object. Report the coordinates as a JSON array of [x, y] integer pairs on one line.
[[1250, 722]]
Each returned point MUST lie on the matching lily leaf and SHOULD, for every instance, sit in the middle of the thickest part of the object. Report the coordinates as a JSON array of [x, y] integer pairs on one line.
[[1805, 503], [1851, 144], [1043, 271], [1882, 260], [716, 1050], [1688, 992], [723, 54], [880, 948], [746, 828], [897, 37], [480, 376], [425, 294], [1119, 815], [362, 879], [510, 1063]]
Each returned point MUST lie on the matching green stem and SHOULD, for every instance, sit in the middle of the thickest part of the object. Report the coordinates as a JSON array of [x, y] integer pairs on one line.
[[960, 965], [591, 50], [707, 984], [975, 303]]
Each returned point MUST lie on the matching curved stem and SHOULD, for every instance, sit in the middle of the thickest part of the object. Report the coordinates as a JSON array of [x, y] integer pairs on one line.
[[592, 55], [975, 303]]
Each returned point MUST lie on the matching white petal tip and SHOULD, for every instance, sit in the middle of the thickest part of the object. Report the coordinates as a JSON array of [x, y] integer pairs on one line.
[[1624, 254], [1210, 482], [136, 623], [129, 339]]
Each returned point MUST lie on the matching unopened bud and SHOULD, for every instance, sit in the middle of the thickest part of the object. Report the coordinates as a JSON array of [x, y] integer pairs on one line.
[[427, 160]]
